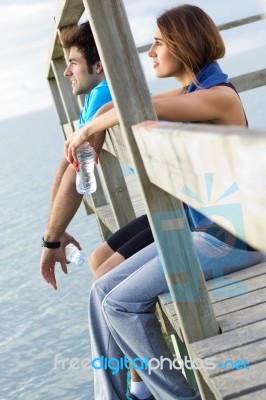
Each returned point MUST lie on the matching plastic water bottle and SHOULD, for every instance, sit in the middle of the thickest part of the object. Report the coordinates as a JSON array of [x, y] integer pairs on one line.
[[85, 178], [73, 254]]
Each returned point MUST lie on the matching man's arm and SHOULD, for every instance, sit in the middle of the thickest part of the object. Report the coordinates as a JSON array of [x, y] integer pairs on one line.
[[64, 206], [57, 180], [65, 202]]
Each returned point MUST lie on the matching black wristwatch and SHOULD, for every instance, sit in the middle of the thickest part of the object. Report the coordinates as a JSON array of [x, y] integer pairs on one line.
[[50, 245]]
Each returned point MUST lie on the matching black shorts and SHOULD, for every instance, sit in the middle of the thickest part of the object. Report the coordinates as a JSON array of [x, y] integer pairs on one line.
[[132, 237]]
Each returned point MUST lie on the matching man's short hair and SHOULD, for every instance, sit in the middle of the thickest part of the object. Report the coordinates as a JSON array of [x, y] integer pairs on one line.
[[81, 36]]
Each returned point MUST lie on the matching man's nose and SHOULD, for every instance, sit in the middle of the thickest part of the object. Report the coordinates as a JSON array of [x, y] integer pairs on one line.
[[67, 71]]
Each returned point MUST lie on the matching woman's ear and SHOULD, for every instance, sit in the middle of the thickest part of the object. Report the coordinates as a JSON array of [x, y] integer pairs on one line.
[[99, 67]]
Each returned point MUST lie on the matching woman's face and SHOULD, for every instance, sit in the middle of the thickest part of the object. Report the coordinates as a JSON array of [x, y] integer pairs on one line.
[[164, 63]]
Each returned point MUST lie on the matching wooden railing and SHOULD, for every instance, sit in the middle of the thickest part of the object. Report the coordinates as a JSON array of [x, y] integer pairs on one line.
[[167, 159]]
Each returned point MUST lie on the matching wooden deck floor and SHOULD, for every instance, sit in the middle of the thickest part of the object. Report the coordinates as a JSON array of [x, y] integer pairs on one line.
[[239, 303]]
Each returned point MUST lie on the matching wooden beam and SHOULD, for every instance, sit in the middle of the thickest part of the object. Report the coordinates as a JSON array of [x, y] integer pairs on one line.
[[195, 157], [55, 50], [69, 12], [58, 101], [115, 183], [249, 81], [69, 101]]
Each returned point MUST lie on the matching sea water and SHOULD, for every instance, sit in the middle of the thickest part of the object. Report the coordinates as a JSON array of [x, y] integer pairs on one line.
[[39, 324]]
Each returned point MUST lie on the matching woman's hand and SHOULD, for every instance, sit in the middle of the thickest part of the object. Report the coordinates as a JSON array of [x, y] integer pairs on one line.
[[75, 140]]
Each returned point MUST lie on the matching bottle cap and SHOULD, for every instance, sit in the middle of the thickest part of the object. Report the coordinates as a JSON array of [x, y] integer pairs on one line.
[[80, 262]]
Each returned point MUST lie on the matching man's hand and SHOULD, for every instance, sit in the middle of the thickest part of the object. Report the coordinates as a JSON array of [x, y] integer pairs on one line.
[[50, 256], [66, 239], [74, 140], [47, 264]]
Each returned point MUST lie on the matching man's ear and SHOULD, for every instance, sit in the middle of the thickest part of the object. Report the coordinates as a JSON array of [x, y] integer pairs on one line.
[[99, 67]]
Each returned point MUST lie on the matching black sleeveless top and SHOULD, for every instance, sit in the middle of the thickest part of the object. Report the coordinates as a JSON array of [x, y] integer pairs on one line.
[[229, 84]]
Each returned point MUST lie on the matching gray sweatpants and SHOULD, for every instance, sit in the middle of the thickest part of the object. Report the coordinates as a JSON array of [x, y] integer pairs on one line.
[[122, 320]]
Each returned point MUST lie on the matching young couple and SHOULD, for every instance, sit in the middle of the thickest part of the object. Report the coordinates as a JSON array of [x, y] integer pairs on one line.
[[127, 278]]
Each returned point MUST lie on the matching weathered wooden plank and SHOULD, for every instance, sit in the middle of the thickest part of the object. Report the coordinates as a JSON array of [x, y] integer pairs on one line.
[[227, 322], [106, 216], [50, 73], [58, 101], [258, 395], [247, 316], [164, 322], [55, 50], [249, 354], [68, 12], [104, 212], [68, 100], [225, 171], [115, 143], [240, 303], [231, 305], [68, 129], [238, 289], [238, 276], [249, 81], [98, 197], [240, 313], [230, 340], [115, 183], [240, 382]]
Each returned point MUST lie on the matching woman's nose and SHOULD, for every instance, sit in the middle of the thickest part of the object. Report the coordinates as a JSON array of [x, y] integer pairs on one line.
[[151, 51]]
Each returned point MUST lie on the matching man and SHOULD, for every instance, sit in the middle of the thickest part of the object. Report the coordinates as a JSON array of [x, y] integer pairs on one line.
[[86, 74]]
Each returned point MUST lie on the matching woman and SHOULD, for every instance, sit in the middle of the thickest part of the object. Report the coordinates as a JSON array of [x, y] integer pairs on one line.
[[122, 302]]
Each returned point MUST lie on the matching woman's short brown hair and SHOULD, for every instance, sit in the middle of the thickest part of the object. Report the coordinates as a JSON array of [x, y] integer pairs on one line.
[[191, 36]]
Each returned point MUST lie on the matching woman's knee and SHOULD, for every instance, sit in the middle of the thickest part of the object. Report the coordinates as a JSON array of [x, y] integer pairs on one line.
[[99, 256], [92, 261]]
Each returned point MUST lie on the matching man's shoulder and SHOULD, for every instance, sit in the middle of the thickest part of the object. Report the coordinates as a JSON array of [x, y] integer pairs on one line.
[[101, 91], [102, 86]]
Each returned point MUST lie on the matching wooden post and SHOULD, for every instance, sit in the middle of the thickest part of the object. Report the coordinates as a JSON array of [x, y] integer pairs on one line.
[[69, 102], [131, 98], [117, 189], [58, 101]]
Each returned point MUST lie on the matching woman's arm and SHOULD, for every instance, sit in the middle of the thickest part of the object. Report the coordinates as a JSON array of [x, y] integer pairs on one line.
[[219, 105], [170, 93]]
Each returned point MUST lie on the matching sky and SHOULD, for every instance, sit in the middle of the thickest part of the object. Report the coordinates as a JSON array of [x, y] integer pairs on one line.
[[26, 28]]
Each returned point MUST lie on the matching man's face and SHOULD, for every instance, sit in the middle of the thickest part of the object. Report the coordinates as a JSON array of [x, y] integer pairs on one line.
[[77, 71]]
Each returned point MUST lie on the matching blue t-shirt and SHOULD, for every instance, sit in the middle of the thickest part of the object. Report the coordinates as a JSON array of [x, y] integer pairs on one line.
[[99, 96]]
